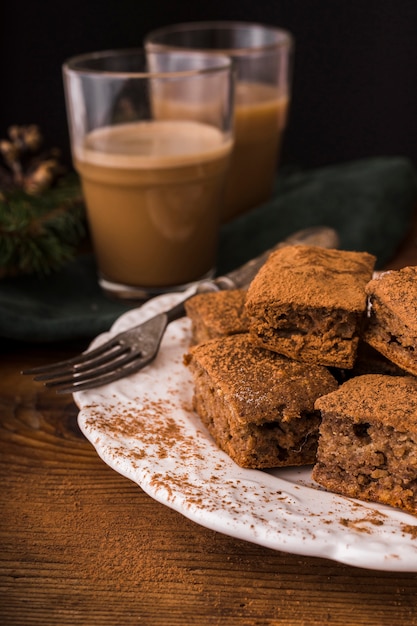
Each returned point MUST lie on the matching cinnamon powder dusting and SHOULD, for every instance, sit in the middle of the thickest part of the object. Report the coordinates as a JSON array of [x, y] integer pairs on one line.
[[410, 530], [149, 424]]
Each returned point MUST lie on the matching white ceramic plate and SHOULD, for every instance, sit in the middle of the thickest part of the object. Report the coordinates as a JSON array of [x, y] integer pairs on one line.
[[144, 428]]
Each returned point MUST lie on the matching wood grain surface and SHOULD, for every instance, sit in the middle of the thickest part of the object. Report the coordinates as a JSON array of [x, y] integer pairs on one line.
[[80, 544]]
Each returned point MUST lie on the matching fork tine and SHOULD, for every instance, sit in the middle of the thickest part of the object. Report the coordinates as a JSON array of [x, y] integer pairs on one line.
[[97, 381], [73, 376], [125, 353], [80, 358], [110, 357]]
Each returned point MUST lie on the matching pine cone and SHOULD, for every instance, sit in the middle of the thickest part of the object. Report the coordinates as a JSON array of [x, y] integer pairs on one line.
[[42, 214]]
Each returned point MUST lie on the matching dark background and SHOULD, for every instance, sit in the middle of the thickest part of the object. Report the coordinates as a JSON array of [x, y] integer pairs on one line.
[[355, 66]]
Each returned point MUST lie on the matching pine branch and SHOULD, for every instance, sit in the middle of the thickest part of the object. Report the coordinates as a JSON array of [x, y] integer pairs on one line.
[[39, 235], [42, 213]]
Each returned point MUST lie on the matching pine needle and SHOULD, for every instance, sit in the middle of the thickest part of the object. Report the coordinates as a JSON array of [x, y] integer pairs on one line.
[[40, 234]]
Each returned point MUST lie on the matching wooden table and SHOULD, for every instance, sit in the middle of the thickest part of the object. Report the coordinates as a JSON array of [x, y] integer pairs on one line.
[[82, 545]]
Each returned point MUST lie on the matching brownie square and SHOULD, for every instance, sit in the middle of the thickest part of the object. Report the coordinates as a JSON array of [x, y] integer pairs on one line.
[[217, 314], [392, 326], [309, 303], [257, 405], [368, 440]]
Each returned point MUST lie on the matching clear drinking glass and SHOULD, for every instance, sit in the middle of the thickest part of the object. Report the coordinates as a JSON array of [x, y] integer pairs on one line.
[[153, 186], [262, 57]]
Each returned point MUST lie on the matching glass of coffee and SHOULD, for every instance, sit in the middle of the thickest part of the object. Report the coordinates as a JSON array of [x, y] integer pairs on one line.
[[262, 57], [153, 186]]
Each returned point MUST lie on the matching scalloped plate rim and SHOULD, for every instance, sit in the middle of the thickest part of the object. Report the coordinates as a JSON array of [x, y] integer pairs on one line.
[[280, 509]]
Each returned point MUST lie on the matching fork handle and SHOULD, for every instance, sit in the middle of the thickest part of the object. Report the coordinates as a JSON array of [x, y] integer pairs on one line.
[[176, 311], [218, 284]]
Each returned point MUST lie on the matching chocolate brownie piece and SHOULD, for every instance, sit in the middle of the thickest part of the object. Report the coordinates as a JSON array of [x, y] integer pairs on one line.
[[309, 303], [257, 405], [368, 440], [392, 327], [217, 314]]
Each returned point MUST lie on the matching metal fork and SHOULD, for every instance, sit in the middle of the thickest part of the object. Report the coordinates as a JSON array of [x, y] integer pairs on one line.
[[123, 354], [133, 349]]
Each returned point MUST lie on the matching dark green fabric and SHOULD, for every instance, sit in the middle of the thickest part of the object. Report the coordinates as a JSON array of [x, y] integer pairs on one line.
[[370, 203], [65, 305]]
